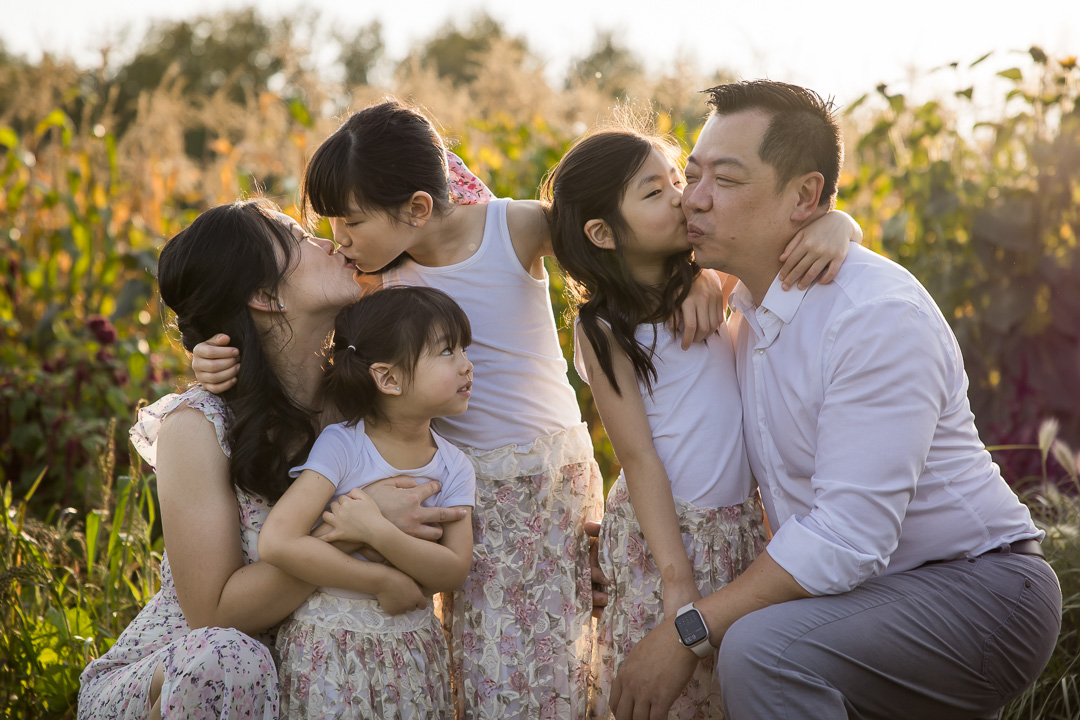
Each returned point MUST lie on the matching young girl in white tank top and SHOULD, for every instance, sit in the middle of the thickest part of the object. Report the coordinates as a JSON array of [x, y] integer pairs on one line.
[[684, 517]]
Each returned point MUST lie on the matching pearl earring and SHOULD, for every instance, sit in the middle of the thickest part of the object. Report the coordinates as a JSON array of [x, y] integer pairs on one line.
[[398, 388], [414, 224], [281, 306]]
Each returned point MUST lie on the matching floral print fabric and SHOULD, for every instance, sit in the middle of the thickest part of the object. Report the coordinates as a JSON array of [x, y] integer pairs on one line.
[[346, 658], [209, 672], [521, 627], [465, 188], [720, 542]]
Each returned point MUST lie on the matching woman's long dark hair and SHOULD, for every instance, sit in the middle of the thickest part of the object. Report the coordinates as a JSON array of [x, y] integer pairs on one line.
[[207, 274], [589, 183], [393, 325]]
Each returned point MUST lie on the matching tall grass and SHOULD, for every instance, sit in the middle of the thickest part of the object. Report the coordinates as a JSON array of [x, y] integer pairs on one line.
[[69, 586]]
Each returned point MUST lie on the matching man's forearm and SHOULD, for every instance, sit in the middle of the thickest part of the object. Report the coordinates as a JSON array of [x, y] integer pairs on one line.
[[764, 583]]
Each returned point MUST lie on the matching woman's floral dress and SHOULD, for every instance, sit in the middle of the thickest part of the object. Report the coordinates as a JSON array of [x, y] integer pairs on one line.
[[212, 672]]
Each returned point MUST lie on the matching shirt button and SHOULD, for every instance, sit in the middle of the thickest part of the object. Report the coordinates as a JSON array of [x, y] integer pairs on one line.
[[761, 351], [777, 493]]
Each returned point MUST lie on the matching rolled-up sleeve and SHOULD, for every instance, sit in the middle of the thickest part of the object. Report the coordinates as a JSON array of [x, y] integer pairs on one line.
[[885, 373]]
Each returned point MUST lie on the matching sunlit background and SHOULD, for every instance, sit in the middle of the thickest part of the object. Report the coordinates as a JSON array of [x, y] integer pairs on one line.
[[840, 48]]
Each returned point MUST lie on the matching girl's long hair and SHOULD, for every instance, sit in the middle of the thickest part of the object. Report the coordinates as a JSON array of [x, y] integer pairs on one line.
[[589, 183], [207, 274], [393, 325]]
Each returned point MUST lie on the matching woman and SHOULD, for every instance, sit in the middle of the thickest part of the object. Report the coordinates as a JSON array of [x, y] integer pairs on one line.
[[221, 461]]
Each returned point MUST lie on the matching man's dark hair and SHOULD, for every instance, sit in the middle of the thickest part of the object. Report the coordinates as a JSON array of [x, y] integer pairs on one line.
[[803, 135]]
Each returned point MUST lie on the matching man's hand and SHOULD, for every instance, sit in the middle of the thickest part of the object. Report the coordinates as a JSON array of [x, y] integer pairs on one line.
[[399, 501], [216, 364], [653, 675], [599, 582]]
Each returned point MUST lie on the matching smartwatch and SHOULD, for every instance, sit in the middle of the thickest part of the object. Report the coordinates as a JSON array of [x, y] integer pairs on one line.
[[692, 630]]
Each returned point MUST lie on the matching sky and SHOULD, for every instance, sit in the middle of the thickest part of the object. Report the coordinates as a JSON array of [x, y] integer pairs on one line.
[[843, 48]]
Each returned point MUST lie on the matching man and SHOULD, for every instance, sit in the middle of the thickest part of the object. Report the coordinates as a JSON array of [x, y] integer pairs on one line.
[[905, 578]]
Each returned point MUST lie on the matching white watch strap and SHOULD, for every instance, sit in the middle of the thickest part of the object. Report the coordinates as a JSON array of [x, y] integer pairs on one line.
[[702, 648]]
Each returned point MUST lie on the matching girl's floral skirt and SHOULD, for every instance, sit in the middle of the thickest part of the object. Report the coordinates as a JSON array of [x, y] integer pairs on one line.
[[521, 627], [346, 658], [720, 542]]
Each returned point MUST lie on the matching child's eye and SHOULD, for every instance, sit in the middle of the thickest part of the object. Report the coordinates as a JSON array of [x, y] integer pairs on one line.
[[654, 192], [678, 183], [447, 351]]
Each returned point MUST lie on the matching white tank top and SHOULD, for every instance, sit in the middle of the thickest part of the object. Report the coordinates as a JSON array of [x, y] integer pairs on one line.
[[695, 414], [520, 389]]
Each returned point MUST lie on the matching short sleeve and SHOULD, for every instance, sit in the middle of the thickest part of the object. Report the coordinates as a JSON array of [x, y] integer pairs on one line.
[[334, 454], [144, 434], [459, 485]]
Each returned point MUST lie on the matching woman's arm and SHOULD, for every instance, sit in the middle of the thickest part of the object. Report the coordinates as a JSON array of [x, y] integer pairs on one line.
[[202, 535], [818, 250], [286, 543], [627, 426], [436, 566]]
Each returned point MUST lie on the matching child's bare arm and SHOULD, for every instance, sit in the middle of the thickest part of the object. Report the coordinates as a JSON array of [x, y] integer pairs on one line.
[[818, 250], [285, 542], [627, 425], [436, 566]]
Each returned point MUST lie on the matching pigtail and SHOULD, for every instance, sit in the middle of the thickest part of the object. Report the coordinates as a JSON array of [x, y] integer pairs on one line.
[[348, 382]]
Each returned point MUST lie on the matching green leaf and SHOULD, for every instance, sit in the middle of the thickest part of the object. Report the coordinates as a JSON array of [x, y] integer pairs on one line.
[[965, 93], [300, 113], [8, 137], [1011, 74], [1038, 55], [93, 526], [981, 59]]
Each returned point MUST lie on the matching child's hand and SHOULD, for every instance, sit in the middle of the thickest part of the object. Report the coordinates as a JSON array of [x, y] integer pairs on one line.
[[677, 595], [399, 593], [399, 500], [818, 250], [702, 310], [599, 582], [352, 518], [216, 364]]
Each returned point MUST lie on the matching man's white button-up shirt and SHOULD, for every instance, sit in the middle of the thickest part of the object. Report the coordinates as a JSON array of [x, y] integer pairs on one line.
[[859, 431]]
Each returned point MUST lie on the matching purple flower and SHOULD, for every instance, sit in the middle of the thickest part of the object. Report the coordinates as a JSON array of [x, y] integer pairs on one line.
[[103, 330]]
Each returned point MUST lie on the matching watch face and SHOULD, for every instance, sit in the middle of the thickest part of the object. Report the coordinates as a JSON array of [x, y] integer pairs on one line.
[[691, 628]]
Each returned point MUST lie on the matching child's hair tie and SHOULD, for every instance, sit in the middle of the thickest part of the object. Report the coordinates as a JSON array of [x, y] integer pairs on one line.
[[351, 347]]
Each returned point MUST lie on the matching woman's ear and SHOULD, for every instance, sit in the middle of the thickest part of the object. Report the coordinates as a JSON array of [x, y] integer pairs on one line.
[[418, 209], [599, 234], [264, 302], [387, 378]]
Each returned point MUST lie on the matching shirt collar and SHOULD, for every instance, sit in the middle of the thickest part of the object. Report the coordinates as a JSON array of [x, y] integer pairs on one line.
[[776, 310]]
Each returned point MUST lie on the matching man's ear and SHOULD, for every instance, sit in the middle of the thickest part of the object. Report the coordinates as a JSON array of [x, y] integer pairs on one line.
[[599, 233], [808, 189], [264, 302], [418, 209], [387, 378]]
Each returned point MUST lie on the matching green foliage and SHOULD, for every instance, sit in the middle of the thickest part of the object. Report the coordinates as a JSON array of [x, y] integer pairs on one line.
[[66, 593], [988, 219], [78, 339], [1056, 509]]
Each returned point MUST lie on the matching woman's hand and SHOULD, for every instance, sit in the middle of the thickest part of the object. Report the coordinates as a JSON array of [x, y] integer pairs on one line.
[[399, 501], [215, 364]]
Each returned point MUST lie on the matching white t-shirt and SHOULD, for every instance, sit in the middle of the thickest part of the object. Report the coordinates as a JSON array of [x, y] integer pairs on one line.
[[346, 457], [520, 389], [695, 415]]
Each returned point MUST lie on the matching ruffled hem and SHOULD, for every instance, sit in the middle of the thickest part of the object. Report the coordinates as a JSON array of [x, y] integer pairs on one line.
[[568, 447], [332, 665]]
